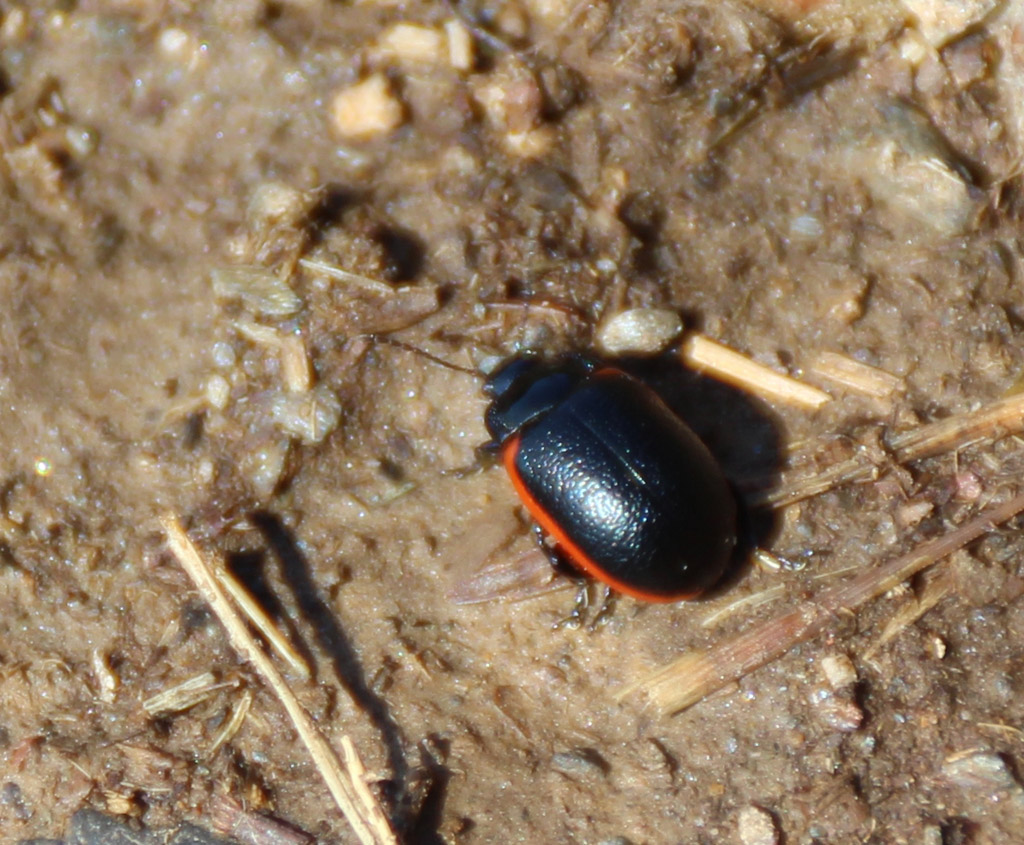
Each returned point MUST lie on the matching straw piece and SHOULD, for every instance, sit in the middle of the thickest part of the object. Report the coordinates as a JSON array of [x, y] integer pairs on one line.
[[233, 724], [855, 375], [705, 355], [695, 675], [745, 603], [990, 422], [185, 695], [934, 592], [369, 822], [256, 615], [332, 271]]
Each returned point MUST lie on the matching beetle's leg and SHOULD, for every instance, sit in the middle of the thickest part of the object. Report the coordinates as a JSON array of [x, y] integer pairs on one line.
[[605, 610], [562, 566], [574, 620]]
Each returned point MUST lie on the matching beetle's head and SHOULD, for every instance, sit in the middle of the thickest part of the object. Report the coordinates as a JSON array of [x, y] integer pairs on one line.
[[526, 387]]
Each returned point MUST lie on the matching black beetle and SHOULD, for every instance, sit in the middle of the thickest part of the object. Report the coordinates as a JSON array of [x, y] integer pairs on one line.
[[625, 489]]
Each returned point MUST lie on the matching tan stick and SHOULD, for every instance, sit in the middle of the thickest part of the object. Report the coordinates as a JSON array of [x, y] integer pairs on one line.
[[855, 375], [255, 614], [997, 419], [705, 355], [369, 822], [696, 675]]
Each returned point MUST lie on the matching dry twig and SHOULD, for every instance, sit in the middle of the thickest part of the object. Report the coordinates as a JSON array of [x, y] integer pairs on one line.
[[256, 615], [185, 695], [856, 375], [233, 724], [990, 422], [694, 676], [355, 800], [934, 592], [332, 271], [705, 355]]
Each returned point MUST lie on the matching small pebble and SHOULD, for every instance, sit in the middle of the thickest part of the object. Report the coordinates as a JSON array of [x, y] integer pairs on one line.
[[309, 416], [940, 21], [367, 110], [806, 226], [936, 646], [757, 827], [410, 43], [839, 671], [841, 714], [174, 43], [640, 331], [461, 55], [911, 513], [218, 392], [264, 467], [276, 203], [262, 290], [223, 355], [531, 143]]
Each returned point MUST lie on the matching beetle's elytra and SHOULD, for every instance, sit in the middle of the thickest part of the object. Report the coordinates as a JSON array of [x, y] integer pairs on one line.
[[625, 489]]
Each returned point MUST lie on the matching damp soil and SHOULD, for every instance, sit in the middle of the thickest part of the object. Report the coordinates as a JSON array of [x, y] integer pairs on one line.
[[791, 179]]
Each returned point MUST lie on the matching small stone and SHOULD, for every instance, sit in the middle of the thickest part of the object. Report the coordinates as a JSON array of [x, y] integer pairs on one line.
[[910, 514], [264, 466], [908, 166], [174, 42], [640, 331], [533, 143], [367, 110], [275, 204], [218, 392], [841, 714], [262, 290], [757, 827], [839, 671], [409, 43], [461, 55], [940, 21], [310, 416]]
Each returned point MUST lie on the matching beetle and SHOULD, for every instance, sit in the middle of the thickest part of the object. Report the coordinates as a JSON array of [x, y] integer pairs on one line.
[[624, 489]]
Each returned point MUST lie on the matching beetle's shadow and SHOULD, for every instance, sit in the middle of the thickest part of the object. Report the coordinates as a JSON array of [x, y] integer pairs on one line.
[[740, 431]]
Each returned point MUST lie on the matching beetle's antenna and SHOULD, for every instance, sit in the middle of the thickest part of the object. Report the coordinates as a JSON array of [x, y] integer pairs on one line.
[[408, 347]]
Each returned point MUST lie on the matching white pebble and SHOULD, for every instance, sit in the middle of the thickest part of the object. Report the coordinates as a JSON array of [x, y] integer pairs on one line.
[[223, 355], [265, 466], [309, 416], [839, 671], [410, 43], [367, 109], [757, 827], [218, 392], [640, 331]]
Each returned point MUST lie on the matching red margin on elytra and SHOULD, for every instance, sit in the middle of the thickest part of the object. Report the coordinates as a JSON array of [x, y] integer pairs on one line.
[[575, 554]]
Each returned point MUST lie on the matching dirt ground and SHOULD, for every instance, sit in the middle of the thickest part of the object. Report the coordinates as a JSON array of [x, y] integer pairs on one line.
[[214, 217]]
